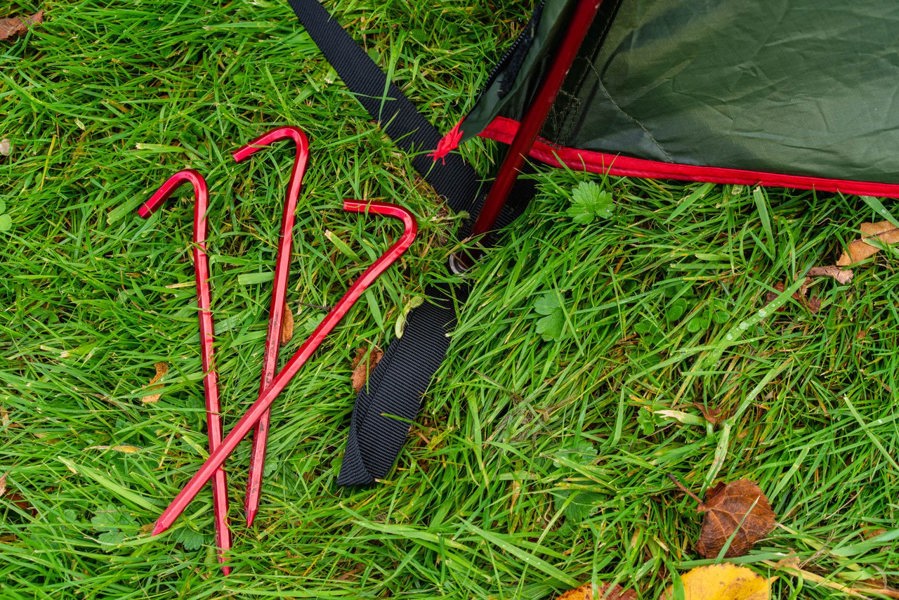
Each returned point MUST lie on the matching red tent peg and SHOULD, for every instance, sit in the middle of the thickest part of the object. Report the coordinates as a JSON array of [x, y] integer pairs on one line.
[[264, 401], [279, 293], [207, 336]]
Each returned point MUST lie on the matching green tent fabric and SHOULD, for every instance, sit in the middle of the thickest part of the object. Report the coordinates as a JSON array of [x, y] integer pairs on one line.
[[802, 88]]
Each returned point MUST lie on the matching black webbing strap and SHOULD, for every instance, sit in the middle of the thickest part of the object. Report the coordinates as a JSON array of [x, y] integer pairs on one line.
[[455, 179], [394, 389], [392, 398]]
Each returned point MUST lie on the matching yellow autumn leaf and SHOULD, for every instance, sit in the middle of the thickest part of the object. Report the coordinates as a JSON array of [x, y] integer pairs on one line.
[[723, 582]]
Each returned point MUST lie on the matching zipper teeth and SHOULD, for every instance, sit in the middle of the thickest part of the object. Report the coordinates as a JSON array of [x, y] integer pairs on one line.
[[494, 73]]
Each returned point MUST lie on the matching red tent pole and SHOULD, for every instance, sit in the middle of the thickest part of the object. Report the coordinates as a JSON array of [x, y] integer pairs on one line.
[[536, 115]]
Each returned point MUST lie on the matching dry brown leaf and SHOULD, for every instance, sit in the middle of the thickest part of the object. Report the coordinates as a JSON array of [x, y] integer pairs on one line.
[[860, 249], [867, 532], [20, 501], [352, 574], [780, 287], [793, 566], [722, 582], [813, 303], [286, 325], [591, 591], [739, 509], [842, 276], [161, 369], [361, 368], [2, 484], [712, 415], [16, 26], [5, 147], [874, 229]]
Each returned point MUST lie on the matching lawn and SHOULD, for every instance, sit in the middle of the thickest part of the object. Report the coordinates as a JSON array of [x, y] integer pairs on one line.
[[591, 361]]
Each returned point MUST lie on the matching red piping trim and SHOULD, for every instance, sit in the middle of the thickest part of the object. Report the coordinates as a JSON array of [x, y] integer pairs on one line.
[[503, 129]]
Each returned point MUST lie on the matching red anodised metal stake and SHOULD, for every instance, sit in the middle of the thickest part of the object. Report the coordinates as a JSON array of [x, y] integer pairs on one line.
[[536, 114], [279, 293], [207, 335], [254, 413]]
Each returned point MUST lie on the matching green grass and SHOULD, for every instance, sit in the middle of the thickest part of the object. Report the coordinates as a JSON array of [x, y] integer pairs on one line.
[[535, 465]]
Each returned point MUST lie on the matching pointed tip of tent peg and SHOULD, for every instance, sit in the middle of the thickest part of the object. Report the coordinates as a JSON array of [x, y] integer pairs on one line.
[[251, 516], [447, 143], [159, 527]]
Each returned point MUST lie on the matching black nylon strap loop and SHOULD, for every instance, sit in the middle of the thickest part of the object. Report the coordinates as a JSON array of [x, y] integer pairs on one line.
[[455, 180], [395, 389], [398, 383]]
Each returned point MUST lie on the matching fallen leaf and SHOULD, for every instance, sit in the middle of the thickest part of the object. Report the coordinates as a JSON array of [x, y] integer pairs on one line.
[[16, 26], [362, 368], [161, 369], [860, 249], [20, 501], [591, 591], [867, 532], [4, 417], [712, 415], [793, 566], [843, 276], [780, 287], [722, 582], [739, 510], [5, 147], [2, 484], [813, 303], [286, 325], [352, 574]]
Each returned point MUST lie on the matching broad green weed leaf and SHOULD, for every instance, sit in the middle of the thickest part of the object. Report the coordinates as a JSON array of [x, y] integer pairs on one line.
[[577, 504], [676, 310], [112, 537], [547, 304], [588, 202], [552, 324], [190, 539], [580, 452], [579, 507], [113, 523]]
